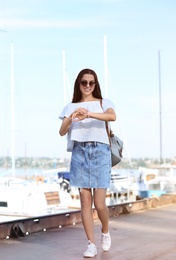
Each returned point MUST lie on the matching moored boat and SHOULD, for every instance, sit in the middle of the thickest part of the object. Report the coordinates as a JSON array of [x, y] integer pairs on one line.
[[157, 180]]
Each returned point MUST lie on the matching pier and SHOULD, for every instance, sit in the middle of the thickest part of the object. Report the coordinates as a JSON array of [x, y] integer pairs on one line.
[[143, 230]]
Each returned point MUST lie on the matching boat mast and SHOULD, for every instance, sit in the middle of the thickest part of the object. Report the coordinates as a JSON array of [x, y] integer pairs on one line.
[[105, 66], [64, 75], [160, 106], [12, 111]]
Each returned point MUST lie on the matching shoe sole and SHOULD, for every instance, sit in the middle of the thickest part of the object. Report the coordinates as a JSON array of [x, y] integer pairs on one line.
[[89, 256]]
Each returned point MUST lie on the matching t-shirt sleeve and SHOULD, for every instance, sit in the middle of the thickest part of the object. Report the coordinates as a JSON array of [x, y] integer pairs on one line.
[[107, 103], [65, 112]]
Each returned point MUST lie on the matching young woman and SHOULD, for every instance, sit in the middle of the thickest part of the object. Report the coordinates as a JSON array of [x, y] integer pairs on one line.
[[90, 169]]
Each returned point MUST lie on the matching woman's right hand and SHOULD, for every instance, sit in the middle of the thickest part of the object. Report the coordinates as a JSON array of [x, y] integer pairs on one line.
[[79, 114]]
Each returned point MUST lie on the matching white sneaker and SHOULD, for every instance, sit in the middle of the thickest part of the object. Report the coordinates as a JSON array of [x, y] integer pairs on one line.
[[105, 241], [91, 250]]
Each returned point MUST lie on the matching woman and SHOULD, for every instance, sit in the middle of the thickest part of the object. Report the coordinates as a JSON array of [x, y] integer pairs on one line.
[[87, 139]]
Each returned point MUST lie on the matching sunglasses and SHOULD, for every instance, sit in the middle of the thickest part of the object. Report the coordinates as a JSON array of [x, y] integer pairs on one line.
[[85, 82]]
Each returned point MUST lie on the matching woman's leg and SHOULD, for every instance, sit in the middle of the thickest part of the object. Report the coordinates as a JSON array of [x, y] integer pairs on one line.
[[86, 213], [103, 214], [102, 209]]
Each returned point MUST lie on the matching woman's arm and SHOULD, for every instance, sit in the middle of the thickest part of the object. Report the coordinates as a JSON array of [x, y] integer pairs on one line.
[[79, 114], [109, 115], [66, 123]]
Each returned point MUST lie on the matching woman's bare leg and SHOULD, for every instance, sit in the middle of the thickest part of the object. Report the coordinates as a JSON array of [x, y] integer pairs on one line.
[[86, 213], [102, 209]]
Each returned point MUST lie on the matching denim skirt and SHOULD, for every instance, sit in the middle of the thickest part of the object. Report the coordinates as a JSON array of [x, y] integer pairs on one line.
[[90, 165]]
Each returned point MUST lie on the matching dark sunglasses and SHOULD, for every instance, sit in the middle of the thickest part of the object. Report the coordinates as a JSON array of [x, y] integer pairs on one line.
[[85, 82]]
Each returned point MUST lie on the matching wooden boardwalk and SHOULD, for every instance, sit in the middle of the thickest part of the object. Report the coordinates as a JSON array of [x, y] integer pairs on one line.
[[144, 235]]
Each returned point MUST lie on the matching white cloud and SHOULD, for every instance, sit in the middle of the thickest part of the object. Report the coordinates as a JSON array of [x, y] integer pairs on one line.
[[46, 23], [29, 23]]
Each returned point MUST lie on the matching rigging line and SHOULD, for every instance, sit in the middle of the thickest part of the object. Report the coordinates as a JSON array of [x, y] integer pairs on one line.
[[106, 94], [160, 105]]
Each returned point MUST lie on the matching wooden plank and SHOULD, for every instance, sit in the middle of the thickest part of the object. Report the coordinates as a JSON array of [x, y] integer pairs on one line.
[[52, 198]]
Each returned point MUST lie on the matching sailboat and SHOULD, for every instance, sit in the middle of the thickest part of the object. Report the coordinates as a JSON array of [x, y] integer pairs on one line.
[[161, 179], [18, 196]]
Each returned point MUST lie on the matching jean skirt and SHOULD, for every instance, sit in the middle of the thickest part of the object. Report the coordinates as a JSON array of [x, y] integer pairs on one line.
[[90, 165]]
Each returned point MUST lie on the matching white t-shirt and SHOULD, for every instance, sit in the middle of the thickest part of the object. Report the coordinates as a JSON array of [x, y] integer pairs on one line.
[[89, 129]]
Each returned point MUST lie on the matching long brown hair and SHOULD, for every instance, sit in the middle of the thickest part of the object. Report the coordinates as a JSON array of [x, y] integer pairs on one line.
[[77, 95]]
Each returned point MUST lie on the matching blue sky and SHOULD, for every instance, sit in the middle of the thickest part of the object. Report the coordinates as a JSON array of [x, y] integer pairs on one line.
[[135, 31]]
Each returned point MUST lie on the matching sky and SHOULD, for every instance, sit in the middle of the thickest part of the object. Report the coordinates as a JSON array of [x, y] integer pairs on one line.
[[38, 37]]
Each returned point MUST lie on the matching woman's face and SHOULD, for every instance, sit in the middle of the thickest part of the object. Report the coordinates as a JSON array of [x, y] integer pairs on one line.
[[87, 84]]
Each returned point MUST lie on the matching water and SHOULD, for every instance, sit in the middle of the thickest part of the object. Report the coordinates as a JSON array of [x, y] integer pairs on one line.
[[21, 172], [50, 175], [32, 171]]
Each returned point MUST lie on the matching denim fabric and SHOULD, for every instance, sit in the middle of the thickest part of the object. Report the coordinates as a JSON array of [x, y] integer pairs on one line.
[[90, 165]]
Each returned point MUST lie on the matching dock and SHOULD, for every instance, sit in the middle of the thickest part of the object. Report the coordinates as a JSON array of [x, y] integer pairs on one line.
[[145, 234]]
